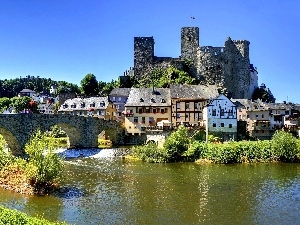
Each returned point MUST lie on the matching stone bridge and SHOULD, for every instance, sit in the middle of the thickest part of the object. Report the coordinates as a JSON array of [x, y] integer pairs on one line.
[[82, 131]]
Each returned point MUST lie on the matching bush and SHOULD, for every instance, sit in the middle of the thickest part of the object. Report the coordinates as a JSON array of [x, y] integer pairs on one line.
[[177, 143], [44, 166], [9, 216], [150, 153], [284, 146]]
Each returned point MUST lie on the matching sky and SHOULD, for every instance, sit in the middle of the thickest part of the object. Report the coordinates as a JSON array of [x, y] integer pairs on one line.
[[67, 39]]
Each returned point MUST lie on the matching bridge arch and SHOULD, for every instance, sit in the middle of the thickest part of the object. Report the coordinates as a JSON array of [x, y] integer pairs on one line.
[[82, 131], [12, 141]]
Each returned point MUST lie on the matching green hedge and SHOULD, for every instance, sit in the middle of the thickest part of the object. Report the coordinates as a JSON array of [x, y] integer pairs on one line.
[[14, 217], [179, 147]]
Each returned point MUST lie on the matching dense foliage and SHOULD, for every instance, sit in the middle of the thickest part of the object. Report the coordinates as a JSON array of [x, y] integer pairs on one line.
[[89, 85], [162, 78], [44, 167], [12, 87], [14, 217], [262, 94], [179, 147], [19, 104]]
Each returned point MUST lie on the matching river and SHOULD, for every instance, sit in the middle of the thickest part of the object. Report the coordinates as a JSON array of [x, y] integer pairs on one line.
[[107, 190]]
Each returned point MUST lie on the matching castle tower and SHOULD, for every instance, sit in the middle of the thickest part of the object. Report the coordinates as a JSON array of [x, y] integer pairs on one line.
[[242, 62], [143, 55], [189, 42]]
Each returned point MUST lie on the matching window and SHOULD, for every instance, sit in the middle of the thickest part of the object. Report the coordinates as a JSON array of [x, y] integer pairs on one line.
[[178, 115], [187, 105], [222, 124], [102, 104], [120, 99], [214, 125], [152, 100], [143, 119], [256, 116], [178, 105], [141, 100], [230, 113], [101, 113], [214, 112], [186, 115], [92, 104], [262, 116], [163, 101], [162, 110], [196, 105], [222, 112], [248, 116], [113, 99], [286, 112], [82, 105], [230, 125], [135, 119], [73, 106], [154, 110], [151, 120]]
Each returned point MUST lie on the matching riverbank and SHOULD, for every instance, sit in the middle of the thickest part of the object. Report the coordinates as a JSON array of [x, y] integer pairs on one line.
[[10, 216]]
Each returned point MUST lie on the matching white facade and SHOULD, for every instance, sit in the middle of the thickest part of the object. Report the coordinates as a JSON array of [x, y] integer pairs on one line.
[[220, 117]]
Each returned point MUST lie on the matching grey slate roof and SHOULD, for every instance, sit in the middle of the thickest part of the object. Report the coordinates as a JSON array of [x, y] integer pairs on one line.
[[77, 103], [148, 97], [260, 105], [194, 91], [120, 92]]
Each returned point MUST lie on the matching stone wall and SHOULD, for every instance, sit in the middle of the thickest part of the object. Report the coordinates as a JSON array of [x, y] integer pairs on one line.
[[227, 67]]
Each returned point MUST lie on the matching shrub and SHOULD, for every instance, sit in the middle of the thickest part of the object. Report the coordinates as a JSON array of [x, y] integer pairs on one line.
[[177, 143], [44, 166], [10, 216], [284, 146], [150, 153]]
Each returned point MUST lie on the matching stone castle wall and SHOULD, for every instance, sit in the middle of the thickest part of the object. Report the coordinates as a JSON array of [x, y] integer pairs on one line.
[[227, 67]]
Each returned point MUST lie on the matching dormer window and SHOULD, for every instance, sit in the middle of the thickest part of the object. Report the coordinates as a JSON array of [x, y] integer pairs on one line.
[[163, 101], [92, 104], [152, 100], [65, 106], [73, 106], [102, 104], [141, 100], [82, 105]]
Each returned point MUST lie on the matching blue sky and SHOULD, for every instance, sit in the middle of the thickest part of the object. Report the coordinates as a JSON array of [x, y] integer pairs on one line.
[[66, 39]]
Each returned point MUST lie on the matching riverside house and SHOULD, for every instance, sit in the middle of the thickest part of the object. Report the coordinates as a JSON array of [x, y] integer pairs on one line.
[[146, 108], [119, 97], [95, 106], [188, 102], [220, 118]]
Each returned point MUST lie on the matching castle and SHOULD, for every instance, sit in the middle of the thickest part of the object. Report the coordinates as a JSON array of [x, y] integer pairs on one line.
[[227, 67]]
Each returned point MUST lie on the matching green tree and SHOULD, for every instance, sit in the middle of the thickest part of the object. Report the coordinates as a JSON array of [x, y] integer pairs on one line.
[[177, 143], [284, 146], [4, 103], [44, 168], [262, 94], [89, 85], [24, 103]]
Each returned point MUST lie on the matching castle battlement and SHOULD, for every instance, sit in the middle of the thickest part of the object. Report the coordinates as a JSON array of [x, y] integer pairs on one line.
[[227, 66]]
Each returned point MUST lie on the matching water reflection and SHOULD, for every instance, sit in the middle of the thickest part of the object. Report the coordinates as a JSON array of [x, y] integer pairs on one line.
[[112, 191]]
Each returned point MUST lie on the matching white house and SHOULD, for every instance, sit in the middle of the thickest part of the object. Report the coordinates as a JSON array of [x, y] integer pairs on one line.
[[220, 118]]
